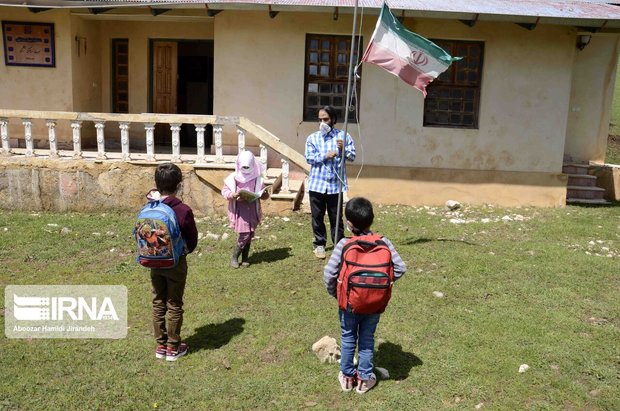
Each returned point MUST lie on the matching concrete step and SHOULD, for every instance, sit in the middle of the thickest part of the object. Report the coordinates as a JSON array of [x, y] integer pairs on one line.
[[587, 201], [575, 168], [581, 180], [587, 193]]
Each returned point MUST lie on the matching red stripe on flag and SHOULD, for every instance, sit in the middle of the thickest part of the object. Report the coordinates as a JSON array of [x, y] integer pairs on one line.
[[394, 64]]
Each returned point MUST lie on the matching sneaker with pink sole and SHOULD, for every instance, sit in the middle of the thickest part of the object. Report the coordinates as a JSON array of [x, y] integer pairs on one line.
[[174, 354], [346, 383], [364, 386]]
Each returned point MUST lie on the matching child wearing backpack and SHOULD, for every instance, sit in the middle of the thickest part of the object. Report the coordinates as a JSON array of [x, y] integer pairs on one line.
[[360, 274], [168, 284], [243, 190]]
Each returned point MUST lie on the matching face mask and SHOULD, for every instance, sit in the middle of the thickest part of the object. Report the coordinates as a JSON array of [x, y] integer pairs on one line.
[[325, 128]]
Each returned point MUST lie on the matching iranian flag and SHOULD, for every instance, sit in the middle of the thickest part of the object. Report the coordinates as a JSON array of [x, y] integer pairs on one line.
[[416, 60]]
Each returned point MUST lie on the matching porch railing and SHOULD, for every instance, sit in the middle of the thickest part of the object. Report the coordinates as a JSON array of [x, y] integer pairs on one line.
[[146, 122]]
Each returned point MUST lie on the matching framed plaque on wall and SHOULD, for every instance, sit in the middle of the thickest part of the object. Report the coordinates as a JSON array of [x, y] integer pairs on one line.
[[28, 44]]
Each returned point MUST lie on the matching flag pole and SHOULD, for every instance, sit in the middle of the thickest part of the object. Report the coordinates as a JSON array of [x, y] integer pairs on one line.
[[346, 123]]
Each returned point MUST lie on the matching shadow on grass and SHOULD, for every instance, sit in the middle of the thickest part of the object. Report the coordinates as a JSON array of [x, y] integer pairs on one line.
[[411, 241], [398, 362], [213, 336], [274, 254]]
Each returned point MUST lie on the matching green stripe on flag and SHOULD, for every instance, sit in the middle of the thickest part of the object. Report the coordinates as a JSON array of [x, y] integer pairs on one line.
[[414, 40]]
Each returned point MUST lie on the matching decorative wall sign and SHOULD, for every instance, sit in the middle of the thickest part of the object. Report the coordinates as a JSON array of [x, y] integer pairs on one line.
[[28, 44]]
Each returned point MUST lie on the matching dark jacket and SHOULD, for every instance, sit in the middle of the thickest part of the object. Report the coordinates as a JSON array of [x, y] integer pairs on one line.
[[185, 217]]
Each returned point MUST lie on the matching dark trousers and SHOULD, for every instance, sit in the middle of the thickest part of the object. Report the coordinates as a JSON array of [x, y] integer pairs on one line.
[[168, 288], [319, 203]]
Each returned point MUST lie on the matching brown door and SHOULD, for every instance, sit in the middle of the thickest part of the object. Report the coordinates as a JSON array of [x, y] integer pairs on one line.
[[164, 85]]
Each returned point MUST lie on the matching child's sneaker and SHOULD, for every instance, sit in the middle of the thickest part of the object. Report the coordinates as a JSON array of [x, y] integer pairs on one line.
[[346, 383], [173, 354], [365, 385], [160, 351], [319, 252]]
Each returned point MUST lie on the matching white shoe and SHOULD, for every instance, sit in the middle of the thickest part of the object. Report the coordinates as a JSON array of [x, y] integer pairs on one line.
[[319, 252], [346, 383], [365, 385]]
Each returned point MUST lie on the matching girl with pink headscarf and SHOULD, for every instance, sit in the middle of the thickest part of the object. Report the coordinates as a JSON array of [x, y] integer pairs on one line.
[[244, 214]]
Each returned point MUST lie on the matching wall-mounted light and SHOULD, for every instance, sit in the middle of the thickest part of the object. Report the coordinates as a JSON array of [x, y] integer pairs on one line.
[[583, 40]]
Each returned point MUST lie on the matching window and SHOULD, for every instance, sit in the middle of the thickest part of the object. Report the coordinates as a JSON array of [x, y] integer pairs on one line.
[[327, 71], [453, 99], [120, 76]]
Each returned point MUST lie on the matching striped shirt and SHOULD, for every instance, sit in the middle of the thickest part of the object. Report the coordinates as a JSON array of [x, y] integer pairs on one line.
[[324, 172], [332, 269]]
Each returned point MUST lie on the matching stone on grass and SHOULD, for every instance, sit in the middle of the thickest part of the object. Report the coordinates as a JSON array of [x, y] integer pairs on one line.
[[438, 294], [382, 373], [523, 368], [453, 205], [327, 350]]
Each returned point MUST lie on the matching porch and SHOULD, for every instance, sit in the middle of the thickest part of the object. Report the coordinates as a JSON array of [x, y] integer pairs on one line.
[[286, 179]]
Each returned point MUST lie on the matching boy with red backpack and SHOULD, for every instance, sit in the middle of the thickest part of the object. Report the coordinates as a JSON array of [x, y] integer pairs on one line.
[[360, 274]]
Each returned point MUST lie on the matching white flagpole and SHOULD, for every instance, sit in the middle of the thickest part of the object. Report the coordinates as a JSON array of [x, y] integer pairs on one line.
[[346, 123]]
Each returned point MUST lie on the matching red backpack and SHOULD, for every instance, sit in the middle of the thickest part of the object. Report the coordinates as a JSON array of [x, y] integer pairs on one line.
[[366, 275]]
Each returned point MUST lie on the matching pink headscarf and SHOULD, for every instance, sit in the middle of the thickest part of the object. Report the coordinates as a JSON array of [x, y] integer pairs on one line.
[[247, 167]]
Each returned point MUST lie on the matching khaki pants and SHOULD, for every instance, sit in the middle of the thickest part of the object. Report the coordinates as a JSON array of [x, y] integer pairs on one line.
[[168, 288]]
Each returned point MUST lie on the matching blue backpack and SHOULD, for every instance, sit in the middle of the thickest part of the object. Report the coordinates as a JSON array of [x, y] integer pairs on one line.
[[158, 236]]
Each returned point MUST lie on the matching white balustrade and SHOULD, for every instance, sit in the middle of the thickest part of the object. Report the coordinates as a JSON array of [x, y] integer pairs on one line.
[[124, 126], [4, 134], [219, 154], [100, 125], [150, 141], [285, 186], [76, 127], [176, 142], [51, 134], [263, 155], [28, 137], [200, 143], [241, 139]]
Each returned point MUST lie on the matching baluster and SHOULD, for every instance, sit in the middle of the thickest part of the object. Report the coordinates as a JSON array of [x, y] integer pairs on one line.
[[124, 126], [76, 126], [219, 155], [4, 134], [285, 187], [263, 155], [200, 143], [241, 139], [100, 125], [176, 142], [51, 134], [27, 122], [150, 141]]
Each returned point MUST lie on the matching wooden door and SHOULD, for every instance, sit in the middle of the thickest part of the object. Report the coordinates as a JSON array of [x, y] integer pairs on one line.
[[164, 85]]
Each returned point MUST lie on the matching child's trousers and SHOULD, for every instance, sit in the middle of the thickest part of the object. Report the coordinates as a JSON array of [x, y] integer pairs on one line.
[[357, 329], [245, 239], [168, 288]]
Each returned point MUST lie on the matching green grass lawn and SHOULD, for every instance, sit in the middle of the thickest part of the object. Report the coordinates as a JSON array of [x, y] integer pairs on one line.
[[539, 287]]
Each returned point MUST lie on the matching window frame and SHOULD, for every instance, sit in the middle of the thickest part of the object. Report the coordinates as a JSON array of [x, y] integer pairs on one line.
[[449, 83], [116, 78], [309, 112]]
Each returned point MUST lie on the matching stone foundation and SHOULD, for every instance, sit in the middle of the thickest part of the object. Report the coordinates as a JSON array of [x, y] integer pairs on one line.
[[82, 185]]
